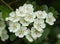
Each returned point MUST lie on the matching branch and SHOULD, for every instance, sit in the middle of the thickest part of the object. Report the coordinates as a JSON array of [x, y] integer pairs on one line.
[[7, 5], [13, 2]]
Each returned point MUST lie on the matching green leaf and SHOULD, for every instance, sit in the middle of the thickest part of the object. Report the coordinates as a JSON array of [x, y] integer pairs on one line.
[[58, 42], [45, 43], [12, 37], [56, 4], [44, 7], [51, 9], [55, 13], [5, 11], [57, 30], [44, 35]]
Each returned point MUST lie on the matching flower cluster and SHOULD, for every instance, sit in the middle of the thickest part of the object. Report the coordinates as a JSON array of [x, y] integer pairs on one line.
[[25, 22], [3, 33]]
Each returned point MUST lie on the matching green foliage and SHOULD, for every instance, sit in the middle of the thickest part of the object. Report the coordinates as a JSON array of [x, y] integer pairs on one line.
[[5, 11], [58, 42], [12, 37], [57, 30], [45, 43], [56, 4], [55, 13], [44, 7], [44, 35]]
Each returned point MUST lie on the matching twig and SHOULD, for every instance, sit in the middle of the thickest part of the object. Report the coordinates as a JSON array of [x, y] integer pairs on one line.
[[7, 5], [12, 2]]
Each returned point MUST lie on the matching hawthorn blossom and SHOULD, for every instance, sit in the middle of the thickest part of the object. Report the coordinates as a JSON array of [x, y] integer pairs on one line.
[[30, 17], [35, 33], [21, 32], [28, 36], [23, 10], [50, 19], [3, 33], [2, 25], [39, 24], [24, 22], [41, 14], [13, 17], [20, 12], [28, 8], [4, 36], [14, 26]]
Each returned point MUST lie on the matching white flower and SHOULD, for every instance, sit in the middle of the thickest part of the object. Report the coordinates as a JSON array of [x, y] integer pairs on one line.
[[14, 26], [21, 32], [35, 33], [2, 25], [28, 8], [22, 18], [3, 33], [38, 20], [20, 12], [13, 17], [39, 24], [23, 22], [30, 17], [41, 14], [4, 36], [23, 10], [28, 36], [50, 19]]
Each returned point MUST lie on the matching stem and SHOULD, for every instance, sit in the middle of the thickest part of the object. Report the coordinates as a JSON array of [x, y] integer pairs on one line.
[[7, 5], [13, 2]]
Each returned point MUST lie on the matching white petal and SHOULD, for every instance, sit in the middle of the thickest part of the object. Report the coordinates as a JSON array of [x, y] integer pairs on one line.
[[50, 19], [23, 22], [21, 32], [35, 33], [20, 12], [43, 25], [41, 14], [29, 38], [28, 8], [4, 36], [30, 17], [12, 14], [13, 27]]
